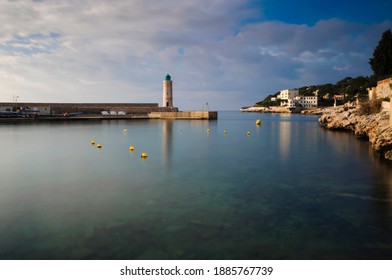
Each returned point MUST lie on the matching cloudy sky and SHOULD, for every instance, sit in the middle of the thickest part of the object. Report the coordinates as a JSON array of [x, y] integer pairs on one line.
[[229, 53]]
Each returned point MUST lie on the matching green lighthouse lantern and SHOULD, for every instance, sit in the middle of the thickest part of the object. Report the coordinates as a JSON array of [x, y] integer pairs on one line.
[[168, 78]]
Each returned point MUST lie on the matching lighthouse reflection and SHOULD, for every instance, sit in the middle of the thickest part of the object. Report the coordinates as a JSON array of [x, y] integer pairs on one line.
[[167, 141]]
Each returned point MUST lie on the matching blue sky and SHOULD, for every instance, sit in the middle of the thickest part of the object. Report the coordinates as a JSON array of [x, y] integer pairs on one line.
[[310, 12], [229, 53]]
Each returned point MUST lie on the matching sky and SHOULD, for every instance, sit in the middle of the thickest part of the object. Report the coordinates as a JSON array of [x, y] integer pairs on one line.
[[227, 53]]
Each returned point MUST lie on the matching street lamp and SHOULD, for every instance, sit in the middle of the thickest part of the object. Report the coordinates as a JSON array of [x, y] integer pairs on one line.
[[14, 100]]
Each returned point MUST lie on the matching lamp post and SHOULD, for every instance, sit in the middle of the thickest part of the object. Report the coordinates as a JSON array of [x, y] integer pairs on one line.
[[14, 100]]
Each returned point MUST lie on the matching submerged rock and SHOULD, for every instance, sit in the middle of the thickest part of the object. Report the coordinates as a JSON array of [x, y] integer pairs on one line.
[[388, 155], [375, 127]]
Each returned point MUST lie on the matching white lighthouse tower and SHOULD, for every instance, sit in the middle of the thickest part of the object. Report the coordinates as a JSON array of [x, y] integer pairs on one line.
[[167, 92]]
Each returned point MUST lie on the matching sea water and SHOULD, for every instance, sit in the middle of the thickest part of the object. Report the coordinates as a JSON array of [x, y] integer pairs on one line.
[[289, 190]]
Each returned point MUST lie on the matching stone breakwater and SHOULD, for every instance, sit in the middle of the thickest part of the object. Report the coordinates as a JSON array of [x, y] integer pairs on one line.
[[375, 127]]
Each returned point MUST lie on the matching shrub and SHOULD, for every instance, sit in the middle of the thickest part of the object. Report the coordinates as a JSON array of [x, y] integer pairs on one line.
[[370, 107]]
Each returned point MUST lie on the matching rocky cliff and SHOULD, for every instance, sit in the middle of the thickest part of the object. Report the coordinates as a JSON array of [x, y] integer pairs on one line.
[[374, 127]]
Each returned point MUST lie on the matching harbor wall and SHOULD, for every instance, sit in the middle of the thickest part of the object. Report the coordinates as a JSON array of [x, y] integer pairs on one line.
[[96, 108]]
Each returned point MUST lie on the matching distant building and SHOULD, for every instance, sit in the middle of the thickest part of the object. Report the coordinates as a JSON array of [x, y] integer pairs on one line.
[[306, 101], [287, 97], [289, 103], [288, 94], [290, 98], [338, 97]]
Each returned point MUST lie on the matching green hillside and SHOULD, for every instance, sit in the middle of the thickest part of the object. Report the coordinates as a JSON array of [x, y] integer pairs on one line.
[[350, 88]]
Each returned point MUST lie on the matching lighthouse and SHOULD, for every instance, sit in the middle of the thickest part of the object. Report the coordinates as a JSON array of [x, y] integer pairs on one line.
[[167, 92]]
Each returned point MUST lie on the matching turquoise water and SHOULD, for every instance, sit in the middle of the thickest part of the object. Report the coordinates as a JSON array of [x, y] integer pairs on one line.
[[290, 190]]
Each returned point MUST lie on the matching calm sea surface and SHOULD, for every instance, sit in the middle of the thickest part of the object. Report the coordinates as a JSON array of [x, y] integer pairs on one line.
[[290, 190]]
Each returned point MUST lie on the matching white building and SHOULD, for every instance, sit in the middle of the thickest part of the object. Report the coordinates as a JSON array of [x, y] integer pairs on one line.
[[287, 97], [290, 98], [288, 94], [306, 101], [289, 103]]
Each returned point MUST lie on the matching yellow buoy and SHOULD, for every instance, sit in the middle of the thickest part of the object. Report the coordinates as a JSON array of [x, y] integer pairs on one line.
[[208, 130], [99, 146], [125, 130], [258, 122], [224, 132], [92, 142], [131, 148], [248, 133], [143, 155]]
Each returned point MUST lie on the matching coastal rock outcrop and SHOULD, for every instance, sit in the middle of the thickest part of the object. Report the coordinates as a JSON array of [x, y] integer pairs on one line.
[[374, 127], [272, 109]]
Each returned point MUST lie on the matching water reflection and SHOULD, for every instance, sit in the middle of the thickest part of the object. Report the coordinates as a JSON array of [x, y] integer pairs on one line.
[[363, 171], [167, 142], [382, 185], [284, 139]]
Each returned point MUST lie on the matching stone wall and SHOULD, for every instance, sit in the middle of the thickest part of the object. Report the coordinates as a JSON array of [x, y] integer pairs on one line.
[[383, 88], [385, 106]]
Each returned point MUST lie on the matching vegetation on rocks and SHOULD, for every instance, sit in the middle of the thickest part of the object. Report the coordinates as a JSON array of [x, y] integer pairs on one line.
[[370, 107]]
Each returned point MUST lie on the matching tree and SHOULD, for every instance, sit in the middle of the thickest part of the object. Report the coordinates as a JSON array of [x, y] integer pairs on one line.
[[381, 62]]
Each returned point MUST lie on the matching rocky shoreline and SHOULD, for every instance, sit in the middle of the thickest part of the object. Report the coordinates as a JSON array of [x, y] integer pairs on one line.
[[376, 127], [279, 109], [272, 109]]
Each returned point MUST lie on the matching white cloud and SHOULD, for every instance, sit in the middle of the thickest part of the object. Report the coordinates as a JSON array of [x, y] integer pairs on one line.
[[119, 51]]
